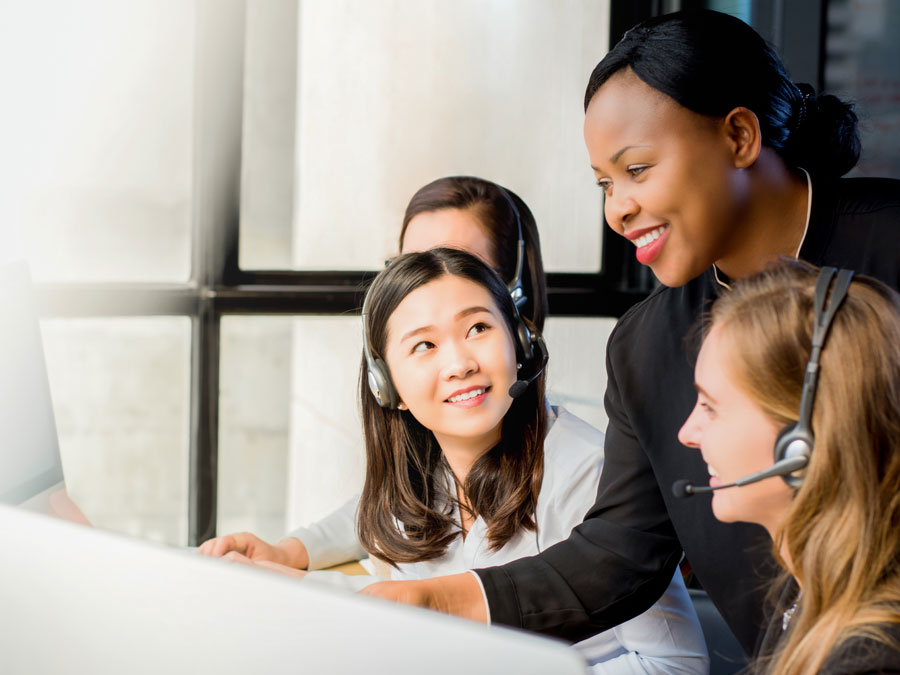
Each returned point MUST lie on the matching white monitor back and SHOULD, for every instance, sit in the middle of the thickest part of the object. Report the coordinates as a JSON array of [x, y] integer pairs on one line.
[[29, 449], [74, 599]]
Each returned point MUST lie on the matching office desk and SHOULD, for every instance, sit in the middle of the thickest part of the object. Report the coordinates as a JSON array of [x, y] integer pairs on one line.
[[354, 569]]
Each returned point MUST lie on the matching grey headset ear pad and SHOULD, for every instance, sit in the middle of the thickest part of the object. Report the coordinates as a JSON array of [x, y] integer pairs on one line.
[[380, 383]]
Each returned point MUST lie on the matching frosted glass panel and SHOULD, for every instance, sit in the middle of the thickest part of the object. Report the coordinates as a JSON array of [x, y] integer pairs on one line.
[[290, 441], [98, 114], [387, 96], [254, 424], [861, 58], [121, 396], [576, 377]]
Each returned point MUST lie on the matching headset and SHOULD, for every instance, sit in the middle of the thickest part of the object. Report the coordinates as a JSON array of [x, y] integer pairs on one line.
[[530, 344], [796, 440], [794, 443], [516, 291]]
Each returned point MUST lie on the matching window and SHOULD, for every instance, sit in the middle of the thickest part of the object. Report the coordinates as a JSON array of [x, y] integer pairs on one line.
[[203, 212]]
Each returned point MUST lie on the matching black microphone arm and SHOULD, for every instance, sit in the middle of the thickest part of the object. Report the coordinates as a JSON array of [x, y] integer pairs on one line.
[[684, 488]]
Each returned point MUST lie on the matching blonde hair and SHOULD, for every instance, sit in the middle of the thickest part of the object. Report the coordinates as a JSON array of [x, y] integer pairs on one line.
[[842, 532]]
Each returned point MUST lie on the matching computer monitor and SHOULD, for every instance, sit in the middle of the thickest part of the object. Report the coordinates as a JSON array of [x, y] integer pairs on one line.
[[76, 599], [30, 465]]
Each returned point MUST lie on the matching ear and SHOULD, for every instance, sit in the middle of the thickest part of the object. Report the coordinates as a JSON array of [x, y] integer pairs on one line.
[[741, 126]]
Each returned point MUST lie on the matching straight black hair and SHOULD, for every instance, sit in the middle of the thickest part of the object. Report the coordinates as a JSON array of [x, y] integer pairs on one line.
[[712, 63], [405, 510]]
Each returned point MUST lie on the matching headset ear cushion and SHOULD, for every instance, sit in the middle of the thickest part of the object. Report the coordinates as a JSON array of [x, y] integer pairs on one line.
[[380, 384], [793, 441], [524, 341], [781, 443]]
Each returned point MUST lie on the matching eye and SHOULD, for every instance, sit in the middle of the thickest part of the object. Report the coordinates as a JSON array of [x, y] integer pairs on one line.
[[636, 170], [604, 184], [477, 328], [422, 346], [707, 408]]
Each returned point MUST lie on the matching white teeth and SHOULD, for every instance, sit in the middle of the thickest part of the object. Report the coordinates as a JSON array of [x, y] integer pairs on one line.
[[651, 236], [466, 395], [712, 471]]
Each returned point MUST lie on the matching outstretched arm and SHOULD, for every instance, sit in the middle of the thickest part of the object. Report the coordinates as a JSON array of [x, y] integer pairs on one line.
[[458, 594], [328, 542]]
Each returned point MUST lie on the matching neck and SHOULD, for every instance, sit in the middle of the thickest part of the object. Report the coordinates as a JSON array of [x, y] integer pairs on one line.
[[773, 221], [462, 453]]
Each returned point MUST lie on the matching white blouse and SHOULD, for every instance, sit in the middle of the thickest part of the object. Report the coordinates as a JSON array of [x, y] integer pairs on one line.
[[665, 639]]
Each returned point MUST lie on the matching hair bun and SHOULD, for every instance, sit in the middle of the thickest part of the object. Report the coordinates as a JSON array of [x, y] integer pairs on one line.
[[807, 107], [824, 136]]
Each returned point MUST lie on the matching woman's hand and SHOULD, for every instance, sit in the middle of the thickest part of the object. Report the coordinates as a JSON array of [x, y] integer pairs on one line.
[[458, 594], [289, 552]]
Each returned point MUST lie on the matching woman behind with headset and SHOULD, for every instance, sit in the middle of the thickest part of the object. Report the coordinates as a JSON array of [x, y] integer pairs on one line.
[[835, 524]]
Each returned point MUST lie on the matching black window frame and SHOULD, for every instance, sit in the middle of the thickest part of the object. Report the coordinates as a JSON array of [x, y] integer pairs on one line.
[[219, 287]]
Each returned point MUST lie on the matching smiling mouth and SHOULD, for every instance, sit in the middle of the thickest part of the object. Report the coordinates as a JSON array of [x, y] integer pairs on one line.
[[650, 237], [466, 395]]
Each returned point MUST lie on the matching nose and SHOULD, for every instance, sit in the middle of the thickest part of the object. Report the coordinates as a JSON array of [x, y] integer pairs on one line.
[[690, 431], [458, 361], [619, 206]]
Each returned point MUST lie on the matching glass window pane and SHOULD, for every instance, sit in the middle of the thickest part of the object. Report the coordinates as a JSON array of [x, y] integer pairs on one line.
[[576, 377], [373, 100], [290, 439], [121, 396], [861, 57], [100, 152]]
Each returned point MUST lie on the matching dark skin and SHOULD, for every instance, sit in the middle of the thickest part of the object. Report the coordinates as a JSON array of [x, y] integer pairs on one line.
[[721, 195]]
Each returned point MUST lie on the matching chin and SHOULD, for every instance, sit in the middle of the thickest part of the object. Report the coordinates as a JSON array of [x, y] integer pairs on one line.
[[674, 275], [723, 512]]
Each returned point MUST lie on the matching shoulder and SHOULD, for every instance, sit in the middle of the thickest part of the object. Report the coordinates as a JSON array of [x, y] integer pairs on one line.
[[665, 310], [573, 460], [653, 338], [572, 444], [573, 457], [857, 224], [867, 195], [865, 654], [859, 202]]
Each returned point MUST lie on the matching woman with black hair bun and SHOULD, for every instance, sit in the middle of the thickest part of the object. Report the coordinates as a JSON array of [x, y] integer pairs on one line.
[[712, 162]]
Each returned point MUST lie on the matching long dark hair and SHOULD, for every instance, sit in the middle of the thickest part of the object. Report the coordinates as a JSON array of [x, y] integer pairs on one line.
[[711, 63], [490, 204], [405, 511]]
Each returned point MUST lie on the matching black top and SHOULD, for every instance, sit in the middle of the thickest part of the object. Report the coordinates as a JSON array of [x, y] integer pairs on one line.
[[621, 558], [865, 656], [855, 656]]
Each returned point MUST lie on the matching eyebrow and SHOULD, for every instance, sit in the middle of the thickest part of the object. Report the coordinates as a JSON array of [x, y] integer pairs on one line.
[[459, 315], [615, 157], [704, 392]]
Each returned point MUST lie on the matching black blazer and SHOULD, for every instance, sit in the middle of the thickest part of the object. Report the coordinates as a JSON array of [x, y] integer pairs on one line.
[[620, 559]]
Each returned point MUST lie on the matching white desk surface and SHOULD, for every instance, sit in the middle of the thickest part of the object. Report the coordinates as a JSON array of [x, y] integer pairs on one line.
[[77, 600]]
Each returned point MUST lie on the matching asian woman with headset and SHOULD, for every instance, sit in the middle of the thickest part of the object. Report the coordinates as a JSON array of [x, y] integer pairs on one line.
[[466, 464]]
